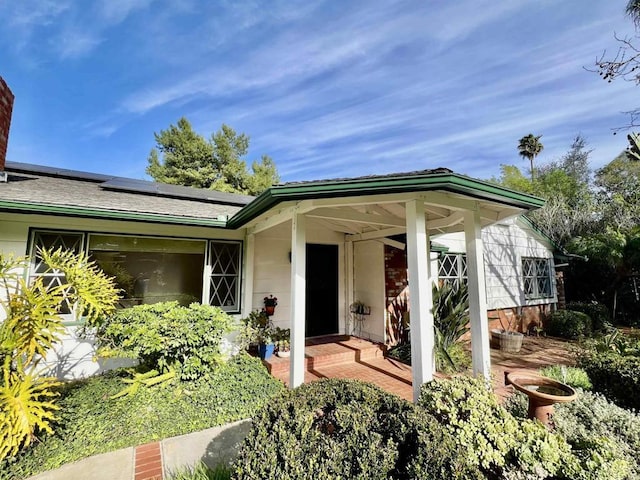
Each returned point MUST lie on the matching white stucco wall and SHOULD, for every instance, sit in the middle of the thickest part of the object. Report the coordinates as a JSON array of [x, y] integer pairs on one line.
[[504, 246], [369, 286]]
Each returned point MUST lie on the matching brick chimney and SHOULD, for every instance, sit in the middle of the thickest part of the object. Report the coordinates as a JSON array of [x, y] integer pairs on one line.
[[6, 107]]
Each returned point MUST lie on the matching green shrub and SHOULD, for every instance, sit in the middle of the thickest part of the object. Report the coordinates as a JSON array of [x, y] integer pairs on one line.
[[569, 324], [593, 418], [90, 422], [597, 312], [167, 335], [202, 472], [615, 376], [347, 429], [604, 437], [491, 438], [572, 376]]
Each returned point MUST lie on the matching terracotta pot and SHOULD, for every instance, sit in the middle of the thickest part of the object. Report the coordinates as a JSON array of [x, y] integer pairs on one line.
[[270, 309]]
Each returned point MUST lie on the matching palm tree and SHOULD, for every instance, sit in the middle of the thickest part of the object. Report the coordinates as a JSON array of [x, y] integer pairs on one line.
[[530, 147]]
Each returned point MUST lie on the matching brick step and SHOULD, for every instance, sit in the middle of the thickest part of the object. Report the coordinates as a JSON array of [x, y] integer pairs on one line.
[[341, 351]]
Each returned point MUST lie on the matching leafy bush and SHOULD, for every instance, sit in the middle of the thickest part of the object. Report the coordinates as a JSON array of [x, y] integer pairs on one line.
[[614, 375], [347, 429], [202, 472], [597, 312], [90, 423], [167, 335], [30, 326], [490, 437], [575, 377], [569, 324], [603, 436]]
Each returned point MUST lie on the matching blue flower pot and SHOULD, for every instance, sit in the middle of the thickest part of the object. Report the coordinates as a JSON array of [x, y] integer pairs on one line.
[[265, 351]]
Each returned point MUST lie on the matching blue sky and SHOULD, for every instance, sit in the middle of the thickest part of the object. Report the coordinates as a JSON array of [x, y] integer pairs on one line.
[[328, 89]]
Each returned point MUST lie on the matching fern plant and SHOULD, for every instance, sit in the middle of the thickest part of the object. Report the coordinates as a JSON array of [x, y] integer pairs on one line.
[[30, 325]]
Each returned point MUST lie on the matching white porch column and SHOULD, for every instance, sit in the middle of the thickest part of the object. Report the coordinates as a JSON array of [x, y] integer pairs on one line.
[[298, 284], [249, 256], [480, 353], [420, 296]]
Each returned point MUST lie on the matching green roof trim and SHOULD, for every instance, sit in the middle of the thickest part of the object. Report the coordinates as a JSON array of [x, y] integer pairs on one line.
[[75, 211], [376, 185]]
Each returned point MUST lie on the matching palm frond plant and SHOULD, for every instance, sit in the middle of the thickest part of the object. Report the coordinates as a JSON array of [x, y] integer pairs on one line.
[[30, 326]]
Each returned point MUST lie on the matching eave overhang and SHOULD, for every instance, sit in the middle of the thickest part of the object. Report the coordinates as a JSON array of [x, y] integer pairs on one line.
[[447, 182]]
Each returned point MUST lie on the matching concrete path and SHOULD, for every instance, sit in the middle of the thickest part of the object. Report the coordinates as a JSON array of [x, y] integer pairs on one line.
[[157, 460]]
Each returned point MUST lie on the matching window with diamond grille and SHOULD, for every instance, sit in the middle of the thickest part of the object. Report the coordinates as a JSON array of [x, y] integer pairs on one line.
[[53, 240], [452, 268], [224, 288], [536, 274]]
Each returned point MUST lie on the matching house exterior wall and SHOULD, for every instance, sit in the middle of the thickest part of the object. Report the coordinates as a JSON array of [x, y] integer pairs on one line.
[[369, 288], [505, 245], [73, 356], [272, 269]]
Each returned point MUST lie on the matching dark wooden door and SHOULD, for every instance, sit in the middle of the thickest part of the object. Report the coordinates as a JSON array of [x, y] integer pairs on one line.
[[322, 290]]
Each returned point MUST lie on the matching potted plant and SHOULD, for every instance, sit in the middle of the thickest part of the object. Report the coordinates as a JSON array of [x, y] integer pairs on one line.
[[270, 304], [258, 332], [508, 338], [284, 349]]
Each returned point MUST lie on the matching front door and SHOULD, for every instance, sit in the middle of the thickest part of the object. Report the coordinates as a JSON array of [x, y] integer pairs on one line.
[[322, 290]]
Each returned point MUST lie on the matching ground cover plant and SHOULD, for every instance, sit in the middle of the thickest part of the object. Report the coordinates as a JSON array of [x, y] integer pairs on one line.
[[593, 425], [613, 365], [90, 422]]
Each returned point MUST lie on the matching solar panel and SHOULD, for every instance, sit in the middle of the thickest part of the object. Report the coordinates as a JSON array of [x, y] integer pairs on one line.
[[175, 191]]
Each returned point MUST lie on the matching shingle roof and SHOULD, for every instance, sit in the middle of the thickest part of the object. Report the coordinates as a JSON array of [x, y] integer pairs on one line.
[[45, 186]]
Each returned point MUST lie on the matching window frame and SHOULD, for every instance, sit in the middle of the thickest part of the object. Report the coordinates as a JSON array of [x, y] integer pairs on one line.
[[535, 278], [206, 280], [461, 268]]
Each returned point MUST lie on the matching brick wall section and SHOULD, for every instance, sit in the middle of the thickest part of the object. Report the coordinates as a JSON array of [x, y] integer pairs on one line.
[[395, 269], [6, 107]]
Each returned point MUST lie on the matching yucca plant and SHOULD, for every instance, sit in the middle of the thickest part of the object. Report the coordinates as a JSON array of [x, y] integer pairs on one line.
[[30, 326], [450, 316]]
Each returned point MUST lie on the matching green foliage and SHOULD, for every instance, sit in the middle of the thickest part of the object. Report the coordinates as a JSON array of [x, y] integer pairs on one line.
[[604, 437], [489, 436], [597, 312], [167, 335], [189, 159], [31, 327], [572, 376], [203, 472], [614, 375], [257, 328], [347, 429], [569, 324], [450, 315], [90, 422]]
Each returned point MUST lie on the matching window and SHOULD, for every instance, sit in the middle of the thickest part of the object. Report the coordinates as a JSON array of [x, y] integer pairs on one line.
[[452, 268], [151, 270], [536, 273], [51, 240], [224, 287]]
